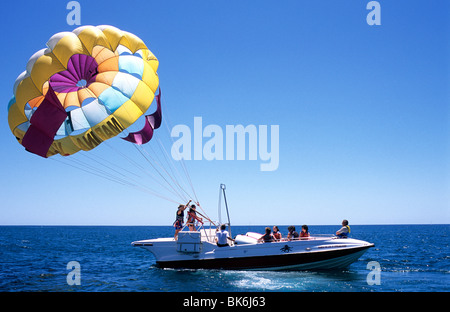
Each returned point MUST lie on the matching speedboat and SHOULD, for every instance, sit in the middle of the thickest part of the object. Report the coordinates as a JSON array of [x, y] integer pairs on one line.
[[198, 250]]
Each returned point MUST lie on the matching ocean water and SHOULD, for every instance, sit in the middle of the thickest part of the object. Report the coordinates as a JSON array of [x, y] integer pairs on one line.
[[412, 258]]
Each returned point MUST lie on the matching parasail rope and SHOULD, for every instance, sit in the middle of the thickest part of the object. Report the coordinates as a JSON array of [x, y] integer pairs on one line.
[[159, 163], [146, 171], [183, 164], [108, 176], [141, 151]]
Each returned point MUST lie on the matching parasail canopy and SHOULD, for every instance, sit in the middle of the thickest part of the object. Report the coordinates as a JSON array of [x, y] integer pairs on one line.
[[86, 87]]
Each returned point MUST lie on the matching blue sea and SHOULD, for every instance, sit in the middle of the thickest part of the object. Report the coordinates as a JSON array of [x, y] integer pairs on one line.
[[412, 258]]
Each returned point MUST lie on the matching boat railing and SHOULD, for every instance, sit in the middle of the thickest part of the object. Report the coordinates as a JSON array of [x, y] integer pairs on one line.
[[321, 236], [208, 231], [309, 238]]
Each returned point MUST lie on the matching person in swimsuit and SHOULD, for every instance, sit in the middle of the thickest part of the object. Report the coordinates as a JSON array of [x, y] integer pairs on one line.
[[178, 224]]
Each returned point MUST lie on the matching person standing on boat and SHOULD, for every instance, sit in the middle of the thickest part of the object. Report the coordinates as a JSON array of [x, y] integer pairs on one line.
[[344, 230], [192, 217], [178, 224], [292, 235], [276, 233], [222, 237]]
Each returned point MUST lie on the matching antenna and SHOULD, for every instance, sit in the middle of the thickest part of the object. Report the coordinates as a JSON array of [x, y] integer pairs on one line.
[[223, 188]]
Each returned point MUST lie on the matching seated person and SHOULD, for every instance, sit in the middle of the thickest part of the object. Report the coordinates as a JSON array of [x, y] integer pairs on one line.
[[344, 230], [304, 233], [268, 237], [222, 237], [276, 233], [292, 235]]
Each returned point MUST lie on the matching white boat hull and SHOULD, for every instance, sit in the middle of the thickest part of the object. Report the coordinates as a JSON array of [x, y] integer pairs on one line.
[[313, 253]]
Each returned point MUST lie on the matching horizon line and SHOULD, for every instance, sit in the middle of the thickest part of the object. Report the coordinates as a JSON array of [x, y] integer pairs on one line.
[[99, 225]]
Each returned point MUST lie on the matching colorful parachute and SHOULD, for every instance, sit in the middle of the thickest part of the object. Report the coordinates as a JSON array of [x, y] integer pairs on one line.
[[86, 87]]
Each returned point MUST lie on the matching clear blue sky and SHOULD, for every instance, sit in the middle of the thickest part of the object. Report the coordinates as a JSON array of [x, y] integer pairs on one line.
[[363, 111]]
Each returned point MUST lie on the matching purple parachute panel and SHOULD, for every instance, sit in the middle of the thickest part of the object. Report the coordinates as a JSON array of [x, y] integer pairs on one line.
[[44, 124], [152, 121]]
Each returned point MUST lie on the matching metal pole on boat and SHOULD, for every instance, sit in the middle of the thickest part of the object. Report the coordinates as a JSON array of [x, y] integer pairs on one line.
[[220, 206], [223, 187]]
